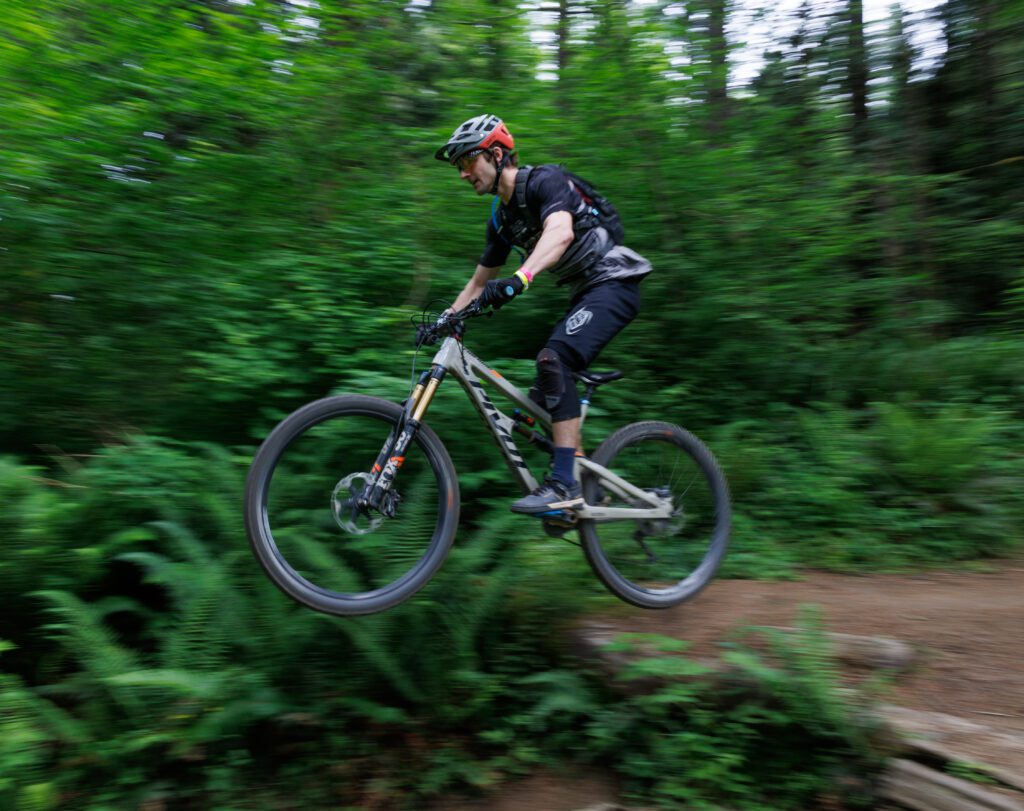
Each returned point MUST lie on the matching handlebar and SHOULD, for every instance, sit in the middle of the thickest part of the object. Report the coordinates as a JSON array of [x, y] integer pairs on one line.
[[428, 333]]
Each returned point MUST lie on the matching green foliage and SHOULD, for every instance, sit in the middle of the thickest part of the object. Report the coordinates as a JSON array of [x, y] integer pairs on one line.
[[212, 212], [172, 650], [780, 733], [975, 772], [27, 728], [883, 487]]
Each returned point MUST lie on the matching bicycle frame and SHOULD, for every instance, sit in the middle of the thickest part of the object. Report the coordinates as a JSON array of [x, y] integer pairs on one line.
[[470, 371]]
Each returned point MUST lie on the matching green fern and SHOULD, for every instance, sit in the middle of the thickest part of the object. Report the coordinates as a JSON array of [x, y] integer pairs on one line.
[[91, 644], [27, 732]]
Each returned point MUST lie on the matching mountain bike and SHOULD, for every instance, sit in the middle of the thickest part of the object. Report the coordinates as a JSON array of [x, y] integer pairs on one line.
[[352, 502]]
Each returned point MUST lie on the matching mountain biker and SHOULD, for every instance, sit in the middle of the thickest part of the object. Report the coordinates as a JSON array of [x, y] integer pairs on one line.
[[561, 236]]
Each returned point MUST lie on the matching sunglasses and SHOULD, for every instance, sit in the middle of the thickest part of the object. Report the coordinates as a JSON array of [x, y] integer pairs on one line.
[[466, 161]]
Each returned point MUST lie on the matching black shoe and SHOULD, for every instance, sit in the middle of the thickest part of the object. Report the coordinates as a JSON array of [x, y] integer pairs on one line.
[[551, 497]]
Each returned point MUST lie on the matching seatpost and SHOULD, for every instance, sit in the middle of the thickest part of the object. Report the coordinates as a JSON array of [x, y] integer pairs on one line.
[[588, 392]]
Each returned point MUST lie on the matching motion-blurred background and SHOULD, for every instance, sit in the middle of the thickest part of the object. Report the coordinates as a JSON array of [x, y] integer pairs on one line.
[[212, 211]]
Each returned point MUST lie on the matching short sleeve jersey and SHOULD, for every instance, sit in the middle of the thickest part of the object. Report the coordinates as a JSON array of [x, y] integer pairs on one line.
[[548, 190]]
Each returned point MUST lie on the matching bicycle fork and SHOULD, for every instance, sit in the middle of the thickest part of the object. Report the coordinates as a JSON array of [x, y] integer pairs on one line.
[[376, 496]]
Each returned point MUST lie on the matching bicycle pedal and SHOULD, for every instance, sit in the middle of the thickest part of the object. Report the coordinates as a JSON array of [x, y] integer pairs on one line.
[[555, 528], [559, 518]]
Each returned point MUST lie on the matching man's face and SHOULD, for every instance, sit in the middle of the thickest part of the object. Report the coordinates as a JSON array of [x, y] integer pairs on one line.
[[477, 170]]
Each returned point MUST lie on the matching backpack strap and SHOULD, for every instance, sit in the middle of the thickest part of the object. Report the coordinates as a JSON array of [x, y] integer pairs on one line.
[[522, 176], [498, 229]]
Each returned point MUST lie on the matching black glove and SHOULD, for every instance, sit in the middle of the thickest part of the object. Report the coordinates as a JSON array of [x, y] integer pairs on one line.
[[500, 292]]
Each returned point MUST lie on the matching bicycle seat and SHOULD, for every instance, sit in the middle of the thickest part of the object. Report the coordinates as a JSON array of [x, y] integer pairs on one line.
[[596, 378]]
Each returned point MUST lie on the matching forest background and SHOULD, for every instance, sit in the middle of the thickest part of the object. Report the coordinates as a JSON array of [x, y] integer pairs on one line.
[[213, 211]]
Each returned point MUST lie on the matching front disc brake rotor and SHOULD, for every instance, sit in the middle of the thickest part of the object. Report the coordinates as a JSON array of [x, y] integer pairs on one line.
[[345, 505]]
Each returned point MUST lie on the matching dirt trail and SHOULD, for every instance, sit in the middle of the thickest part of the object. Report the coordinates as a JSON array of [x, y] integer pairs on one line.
[[968, 629]]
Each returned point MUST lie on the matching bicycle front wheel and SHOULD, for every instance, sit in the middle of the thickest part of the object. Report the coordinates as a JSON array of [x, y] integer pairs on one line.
[[303, 523], [658, 563]]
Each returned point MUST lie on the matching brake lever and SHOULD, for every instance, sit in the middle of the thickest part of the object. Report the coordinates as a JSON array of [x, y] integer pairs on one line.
[[424, 336]]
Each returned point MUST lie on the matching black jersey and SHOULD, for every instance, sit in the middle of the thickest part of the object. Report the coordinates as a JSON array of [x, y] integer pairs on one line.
[[591, 258]]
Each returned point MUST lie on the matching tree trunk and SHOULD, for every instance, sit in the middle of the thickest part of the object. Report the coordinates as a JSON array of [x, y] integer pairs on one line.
[[858, 74], [563, 37], [718, 79]]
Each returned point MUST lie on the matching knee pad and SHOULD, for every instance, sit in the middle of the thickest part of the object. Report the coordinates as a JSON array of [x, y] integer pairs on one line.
[[553, 390]]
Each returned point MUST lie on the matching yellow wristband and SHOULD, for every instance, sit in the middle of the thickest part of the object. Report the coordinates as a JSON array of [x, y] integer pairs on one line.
[[524, 278]]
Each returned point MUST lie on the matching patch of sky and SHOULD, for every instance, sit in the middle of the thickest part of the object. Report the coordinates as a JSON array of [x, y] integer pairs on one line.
[[752, 29]]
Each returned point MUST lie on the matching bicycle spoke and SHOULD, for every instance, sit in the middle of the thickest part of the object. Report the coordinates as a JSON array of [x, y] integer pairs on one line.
[[316, 523], [651, 561]]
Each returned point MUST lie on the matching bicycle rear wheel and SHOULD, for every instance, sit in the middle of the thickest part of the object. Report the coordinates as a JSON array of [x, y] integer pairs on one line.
[[304, 527], [658, 563]]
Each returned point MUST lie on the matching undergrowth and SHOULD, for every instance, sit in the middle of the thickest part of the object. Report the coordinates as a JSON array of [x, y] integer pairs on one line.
[[147, 658]]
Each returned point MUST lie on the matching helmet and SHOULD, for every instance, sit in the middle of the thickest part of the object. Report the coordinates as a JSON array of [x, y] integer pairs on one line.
[[481, 132]]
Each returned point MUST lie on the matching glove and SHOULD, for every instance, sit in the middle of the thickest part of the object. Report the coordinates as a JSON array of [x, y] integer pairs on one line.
[[500, 292]]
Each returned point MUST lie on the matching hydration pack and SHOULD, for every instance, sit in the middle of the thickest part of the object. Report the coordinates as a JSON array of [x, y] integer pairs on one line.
[[596, 226], [599, 210], [600, 207]]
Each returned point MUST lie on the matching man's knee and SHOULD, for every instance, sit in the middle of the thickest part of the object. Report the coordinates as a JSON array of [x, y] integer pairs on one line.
[[554, 389]]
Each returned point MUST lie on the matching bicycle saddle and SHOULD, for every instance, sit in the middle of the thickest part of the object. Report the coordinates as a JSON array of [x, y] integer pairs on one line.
[[596, 378]]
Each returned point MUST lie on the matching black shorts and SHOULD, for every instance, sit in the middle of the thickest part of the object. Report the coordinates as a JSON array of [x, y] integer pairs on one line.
[[594, 317]]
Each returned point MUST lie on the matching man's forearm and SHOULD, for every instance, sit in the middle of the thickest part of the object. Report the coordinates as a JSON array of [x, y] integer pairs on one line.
[[474, 287]]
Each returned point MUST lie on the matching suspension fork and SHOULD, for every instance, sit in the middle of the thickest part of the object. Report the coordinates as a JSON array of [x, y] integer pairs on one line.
[[392, 455]]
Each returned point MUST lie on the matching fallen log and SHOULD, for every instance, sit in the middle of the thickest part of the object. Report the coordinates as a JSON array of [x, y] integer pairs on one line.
[[919, 788], [950, 738]]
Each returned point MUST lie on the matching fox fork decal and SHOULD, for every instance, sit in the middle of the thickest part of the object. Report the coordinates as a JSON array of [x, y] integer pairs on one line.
[[392, 455]]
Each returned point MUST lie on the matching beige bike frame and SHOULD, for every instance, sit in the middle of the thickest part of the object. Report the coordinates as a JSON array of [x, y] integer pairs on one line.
[[453, 358]]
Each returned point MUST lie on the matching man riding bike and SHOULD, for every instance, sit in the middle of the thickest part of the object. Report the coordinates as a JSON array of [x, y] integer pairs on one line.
[[543, 214]]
